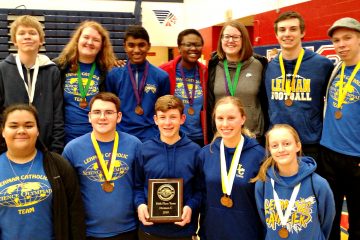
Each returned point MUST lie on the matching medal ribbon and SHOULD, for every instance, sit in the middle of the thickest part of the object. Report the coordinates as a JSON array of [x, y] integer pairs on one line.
[[232, 85], [186, 87], [84, 90], [285, 218], [296, 70], [344, 90], [227, 179], [106, 170], [138, 92], [30, 87]]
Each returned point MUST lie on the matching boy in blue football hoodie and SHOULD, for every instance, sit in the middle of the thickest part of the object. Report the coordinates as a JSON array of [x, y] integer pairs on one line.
[[138, 85], [293, 201], [295, 82], [170, 154], [104, 161]]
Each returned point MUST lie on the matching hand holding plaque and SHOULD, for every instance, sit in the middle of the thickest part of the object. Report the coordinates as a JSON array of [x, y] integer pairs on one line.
[[165, 200], [185, 217], [143, 214]]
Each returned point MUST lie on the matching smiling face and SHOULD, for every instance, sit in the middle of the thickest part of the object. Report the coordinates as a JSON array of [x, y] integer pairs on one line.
[[27, 40], [231, 42], [229, 122], [89, 45], [289, 35], [103, 118], [20, 131], [136, 49], [284, 149], [169, 123], [347, 45], [190, 49]]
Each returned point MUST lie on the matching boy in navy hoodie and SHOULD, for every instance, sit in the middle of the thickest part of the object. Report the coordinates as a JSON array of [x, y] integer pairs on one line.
[[138, 85], [295, 82], [170, 154], [31, 78]]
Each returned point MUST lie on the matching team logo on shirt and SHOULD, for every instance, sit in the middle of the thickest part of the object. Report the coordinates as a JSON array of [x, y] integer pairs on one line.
[[352, 95], [180, 89], [300, 89], [299, 219], [94, 173], [24, 194], [150, 88], [240, 171], [72, 87]]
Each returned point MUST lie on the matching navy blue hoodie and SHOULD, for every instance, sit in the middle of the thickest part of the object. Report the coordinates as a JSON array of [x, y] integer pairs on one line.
[[156, 160], [305, 115], [314, 209], [241, 221], [157, 84]]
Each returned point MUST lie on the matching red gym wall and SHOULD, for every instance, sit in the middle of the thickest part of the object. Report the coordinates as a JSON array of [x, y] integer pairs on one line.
[[318, 15]]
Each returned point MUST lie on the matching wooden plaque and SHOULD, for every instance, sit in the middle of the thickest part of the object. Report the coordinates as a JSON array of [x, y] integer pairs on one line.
[[165, 200]]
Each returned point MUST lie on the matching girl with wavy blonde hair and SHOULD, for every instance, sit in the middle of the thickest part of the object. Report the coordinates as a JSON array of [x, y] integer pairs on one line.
[[84, 63]]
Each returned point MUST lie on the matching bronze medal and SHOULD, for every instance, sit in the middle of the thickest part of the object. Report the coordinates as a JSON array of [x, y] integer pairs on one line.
[[226, 201], [283, 233], [223, 201], [107, 186], [191, 111], [338, 114], [83, 103], [139, 110], [288, 102], [230, 202]]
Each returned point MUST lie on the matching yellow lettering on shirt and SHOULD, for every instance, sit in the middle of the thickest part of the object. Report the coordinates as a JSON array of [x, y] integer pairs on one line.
[[26, 211]]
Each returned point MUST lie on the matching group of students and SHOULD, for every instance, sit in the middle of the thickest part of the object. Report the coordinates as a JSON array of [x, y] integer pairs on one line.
[[113, 149]]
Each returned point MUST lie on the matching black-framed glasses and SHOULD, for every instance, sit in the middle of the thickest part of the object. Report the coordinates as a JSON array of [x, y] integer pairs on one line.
[[106, 113], [227, 37], [189, 45]]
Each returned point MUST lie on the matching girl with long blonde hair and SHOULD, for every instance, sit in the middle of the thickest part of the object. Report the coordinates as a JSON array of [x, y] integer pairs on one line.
[[84, 63], [293, 201], [227, 165]]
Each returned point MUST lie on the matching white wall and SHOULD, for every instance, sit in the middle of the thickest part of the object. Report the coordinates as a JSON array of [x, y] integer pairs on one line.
[[81, 5], [196, 14], [163, 34]]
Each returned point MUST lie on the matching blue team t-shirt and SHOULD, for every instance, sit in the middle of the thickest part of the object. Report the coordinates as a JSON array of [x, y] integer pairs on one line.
[[76, 118], [192, 126], [25, 200], [107, 213], [343, 135]]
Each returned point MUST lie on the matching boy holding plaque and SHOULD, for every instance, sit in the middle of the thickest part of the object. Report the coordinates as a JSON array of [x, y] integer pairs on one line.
[[104, 160], [169, 155], [340, 139], [138, 85]]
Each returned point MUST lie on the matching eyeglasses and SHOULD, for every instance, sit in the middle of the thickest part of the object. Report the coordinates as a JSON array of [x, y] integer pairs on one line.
[[98, 113], [190, 45], [235, 38]]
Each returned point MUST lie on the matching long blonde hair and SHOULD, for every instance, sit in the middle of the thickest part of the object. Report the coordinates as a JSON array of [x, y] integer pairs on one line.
[[269, 161], [105, 58], [237, 103]]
